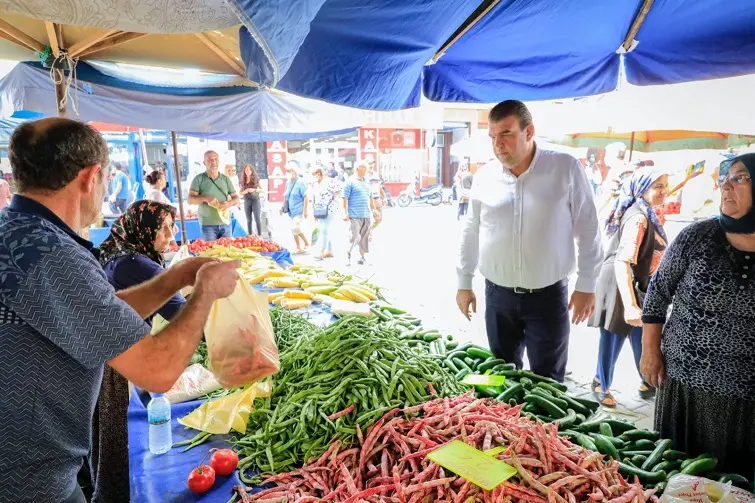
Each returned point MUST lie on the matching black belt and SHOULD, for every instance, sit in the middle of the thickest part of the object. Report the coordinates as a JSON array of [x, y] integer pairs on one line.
[[522, 291]]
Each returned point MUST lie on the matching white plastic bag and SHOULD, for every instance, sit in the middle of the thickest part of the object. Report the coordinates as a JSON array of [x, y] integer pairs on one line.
[[182, 254], [196, 381], [686, 488]]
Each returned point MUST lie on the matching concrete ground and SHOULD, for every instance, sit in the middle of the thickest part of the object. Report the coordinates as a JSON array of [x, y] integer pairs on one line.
[[413, 257]]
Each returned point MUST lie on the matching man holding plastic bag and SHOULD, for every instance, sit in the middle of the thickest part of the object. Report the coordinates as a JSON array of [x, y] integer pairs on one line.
[[62, 321]]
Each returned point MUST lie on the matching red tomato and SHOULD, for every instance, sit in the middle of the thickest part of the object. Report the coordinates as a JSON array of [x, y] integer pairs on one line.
[[201, 479], [224, 461]]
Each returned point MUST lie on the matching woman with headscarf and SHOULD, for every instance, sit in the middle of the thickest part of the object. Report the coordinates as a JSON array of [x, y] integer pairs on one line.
[[132, 254], [635, 243], [702, 355]]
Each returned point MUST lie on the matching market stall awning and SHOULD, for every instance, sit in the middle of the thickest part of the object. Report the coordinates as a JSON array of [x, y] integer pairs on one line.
[[656, 141], [224, 111]]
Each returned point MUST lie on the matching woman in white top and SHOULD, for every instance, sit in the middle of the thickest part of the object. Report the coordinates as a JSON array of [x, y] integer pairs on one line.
[[156, 181]]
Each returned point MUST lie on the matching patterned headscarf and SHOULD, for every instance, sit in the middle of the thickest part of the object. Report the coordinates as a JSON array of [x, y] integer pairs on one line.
[[632, 191], [135, 231], [746, 223]]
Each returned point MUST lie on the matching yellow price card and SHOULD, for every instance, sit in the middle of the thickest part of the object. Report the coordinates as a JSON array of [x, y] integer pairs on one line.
[[473, 465]]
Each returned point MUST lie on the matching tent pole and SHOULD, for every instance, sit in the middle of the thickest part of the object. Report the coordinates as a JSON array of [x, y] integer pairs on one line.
[[177, 175], [631, 147]]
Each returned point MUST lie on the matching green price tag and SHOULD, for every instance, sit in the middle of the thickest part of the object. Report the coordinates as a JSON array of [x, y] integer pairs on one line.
[[473, 465], [495, 450], [484, 380]]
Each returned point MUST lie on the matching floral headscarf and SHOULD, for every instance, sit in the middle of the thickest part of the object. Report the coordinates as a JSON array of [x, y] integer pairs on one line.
[[135, 231], [746, 223], [632, 191]]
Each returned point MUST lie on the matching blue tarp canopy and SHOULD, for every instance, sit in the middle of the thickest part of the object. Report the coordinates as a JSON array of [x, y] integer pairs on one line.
[[376, 54], [221, 107]]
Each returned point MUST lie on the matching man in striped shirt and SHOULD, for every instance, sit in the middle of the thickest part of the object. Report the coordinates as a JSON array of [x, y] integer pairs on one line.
[[358, 207]]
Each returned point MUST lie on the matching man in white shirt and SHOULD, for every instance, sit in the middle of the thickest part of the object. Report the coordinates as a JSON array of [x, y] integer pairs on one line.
[[525, 217]]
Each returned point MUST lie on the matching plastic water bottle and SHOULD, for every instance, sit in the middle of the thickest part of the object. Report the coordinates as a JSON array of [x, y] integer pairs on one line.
[[158, 415]]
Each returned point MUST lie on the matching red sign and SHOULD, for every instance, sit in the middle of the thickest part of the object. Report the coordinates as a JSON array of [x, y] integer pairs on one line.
[[276, 170], [368, 145], [389, 139]]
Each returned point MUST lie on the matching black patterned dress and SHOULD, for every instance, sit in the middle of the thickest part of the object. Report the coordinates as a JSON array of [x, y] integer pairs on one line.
[[708, 345]]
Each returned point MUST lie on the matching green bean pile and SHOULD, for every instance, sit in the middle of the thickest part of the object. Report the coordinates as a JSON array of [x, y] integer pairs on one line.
[[289, 327], [356, 367]]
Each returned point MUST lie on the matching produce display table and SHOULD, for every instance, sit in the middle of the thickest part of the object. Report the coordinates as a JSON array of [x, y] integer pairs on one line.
[[163, 478], [98, 234]]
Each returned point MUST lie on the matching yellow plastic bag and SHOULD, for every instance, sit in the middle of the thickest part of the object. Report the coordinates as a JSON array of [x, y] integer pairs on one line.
[[228, 413], [240, 339]]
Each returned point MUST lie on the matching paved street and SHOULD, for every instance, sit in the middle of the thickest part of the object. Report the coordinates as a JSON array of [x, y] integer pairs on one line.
[[414, 254]]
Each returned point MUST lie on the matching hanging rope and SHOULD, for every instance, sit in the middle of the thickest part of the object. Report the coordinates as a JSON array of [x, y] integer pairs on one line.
[[59, 78]]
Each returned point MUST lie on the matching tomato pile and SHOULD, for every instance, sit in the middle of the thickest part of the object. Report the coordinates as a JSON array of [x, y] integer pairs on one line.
[[255, 243]]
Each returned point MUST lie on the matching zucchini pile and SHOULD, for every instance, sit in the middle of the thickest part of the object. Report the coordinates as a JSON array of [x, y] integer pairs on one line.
[[639, 452]]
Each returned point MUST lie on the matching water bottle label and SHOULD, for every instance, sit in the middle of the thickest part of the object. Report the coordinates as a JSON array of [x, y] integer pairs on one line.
[[158, 420]]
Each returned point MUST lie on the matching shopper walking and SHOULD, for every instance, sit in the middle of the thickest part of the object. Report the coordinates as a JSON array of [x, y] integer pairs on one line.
[[214, 193], [324, 209], [357, 209], [250, 191], [121, 190], [636, 243], [700, 356], [526, 216], [62, 321], [296, 205]]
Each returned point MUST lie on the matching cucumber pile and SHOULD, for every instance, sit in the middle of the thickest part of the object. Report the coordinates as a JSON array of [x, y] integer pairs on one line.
[[639, 452]]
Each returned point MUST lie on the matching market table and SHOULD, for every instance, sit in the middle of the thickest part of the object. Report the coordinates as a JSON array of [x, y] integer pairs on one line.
[[98, 234], [163, 478]]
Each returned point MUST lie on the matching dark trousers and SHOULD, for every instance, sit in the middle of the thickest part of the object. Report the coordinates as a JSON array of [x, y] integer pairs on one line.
[[252, 209], [463, 205], [537, 321], [609, 350]]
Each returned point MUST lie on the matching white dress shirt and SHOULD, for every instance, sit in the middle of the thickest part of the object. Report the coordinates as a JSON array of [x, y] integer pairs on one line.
[[521, 230]]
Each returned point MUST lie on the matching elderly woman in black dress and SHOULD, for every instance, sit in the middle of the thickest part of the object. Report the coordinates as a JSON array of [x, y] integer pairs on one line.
[[702, 355]]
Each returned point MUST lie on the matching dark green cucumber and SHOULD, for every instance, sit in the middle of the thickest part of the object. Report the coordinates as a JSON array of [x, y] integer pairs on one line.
[[644, 475], [460, 364], [672, 473], [638, 460], [668, 466], [486, 365], [530, 408], [657, 455], [538, 378], [592, 405], [605, 446], [508, 374], [489, 391], [736, 479], [451, 366], [700, 466], [546, 405], [640, 435], [505, 366], [580, 419], [545, 419], [687, 462], [637, 453], [431, 337], [617, 442], [478, 352], [661, 486], [512, 392], [641, 445], [471, 363], [457, 354], [605, 429], [618, 426], [513, 402], [461, 374], [525, 381], [585, 442], [561, 403], [568, 420], [671, 455], [451, 345]]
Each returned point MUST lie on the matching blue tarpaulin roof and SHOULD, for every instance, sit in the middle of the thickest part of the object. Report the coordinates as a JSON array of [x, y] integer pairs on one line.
[[375, 54], [221, 109]]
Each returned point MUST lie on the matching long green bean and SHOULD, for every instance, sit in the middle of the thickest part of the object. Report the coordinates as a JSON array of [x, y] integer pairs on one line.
[[332, 380]]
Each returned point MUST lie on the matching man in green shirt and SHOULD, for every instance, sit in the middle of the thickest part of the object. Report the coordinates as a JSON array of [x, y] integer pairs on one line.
[[215, 195]]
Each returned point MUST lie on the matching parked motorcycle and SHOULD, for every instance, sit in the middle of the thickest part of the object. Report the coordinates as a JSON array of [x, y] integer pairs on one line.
[[431, 195]]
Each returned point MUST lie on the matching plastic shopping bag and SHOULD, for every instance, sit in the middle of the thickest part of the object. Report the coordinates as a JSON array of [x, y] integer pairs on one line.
[[684, 488], [228, 413], [182, 254], [240, 339], [195, 381]]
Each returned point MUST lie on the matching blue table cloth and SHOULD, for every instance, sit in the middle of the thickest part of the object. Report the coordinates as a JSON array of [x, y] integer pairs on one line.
[[98, 234], [157, 479]]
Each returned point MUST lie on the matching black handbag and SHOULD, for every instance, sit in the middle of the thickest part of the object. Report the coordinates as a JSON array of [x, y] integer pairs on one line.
[[285, 208]]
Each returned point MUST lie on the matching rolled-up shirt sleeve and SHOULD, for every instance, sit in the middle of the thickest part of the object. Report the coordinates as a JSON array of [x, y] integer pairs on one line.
[[664, 282], [586, 230], [470, 244], [66, 297]]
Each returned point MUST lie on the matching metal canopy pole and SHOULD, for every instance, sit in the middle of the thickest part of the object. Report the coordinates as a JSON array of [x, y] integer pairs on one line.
[[177, 176]]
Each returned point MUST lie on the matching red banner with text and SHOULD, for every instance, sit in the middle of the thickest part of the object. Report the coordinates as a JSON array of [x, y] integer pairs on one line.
[[276, 170], [368, 145]]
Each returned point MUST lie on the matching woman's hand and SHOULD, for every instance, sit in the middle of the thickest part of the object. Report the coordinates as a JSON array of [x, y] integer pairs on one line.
[[633, 316], [652, 367]]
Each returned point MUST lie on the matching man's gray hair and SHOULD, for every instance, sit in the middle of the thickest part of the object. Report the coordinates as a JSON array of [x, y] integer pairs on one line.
[[48, 158]]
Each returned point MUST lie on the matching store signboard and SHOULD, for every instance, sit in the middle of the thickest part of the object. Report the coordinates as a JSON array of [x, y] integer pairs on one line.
[[276, 170], [368, 145], [390, 139]]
